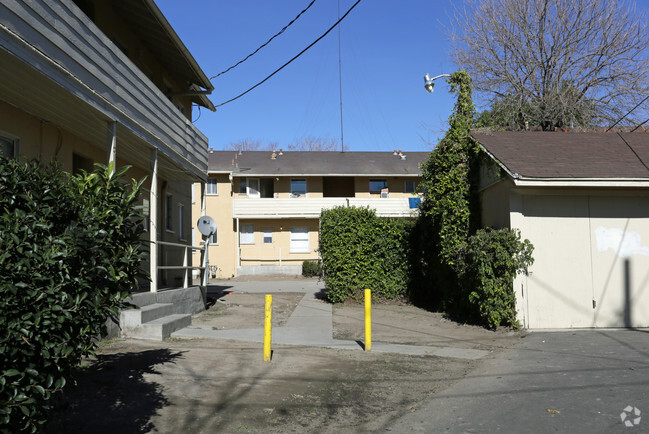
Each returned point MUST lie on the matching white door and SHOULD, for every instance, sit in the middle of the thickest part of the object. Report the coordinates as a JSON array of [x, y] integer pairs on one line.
[[253, 187], [559, 285], [620, 251], [591, 261]]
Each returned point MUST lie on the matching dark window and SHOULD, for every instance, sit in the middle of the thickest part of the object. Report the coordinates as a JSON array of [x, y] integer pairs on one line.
[[409, 187], [267, 187], [298, 187], [376, 185], [7, 147]]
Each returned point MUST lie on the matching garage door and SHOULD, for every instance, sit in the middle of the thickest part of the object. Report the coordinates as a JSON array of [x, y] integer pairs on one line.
[[591, 264]]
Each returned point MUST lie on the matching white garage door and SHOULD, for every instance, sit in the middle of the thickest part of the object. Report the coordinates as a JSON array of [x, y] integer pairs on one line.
[[591, 264]]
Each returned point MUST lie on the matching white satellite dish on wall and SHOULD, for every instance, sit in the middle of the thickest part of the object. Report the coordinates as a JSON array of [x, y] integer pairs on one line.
[[206, 225]]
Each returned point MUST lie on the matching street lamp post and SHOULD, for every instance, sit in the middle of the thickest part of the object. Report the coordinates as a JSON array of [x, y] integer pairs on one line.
[[430, 82]]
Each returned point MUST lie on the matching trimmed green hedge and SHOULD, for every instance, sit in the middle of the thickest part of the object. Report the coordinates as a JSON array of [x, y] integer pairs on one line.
[[362, 251], [69, 255]]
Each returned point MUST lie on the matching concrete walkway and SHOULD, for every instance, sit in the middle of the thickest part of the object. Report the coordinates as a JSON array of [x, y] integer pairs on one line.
[[310, 324]]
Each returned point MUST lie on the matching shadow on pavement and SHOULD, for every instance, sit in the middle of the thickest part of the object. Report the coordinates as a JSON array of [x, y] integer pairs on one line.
[[112, 395]]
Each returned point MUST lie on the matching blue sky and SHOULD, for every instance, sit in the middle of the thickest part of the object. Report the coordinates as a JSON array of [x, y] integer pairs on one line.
[[387, 46]]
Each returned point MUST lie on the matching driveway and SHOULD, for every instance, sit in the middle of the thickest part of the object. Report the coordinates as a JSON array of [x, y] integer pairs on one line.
[[550, 382]]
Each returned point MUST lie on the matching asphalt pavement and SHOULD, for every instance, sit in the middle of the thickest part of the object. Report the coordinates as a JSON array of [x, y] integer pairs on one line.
[[569, 382]]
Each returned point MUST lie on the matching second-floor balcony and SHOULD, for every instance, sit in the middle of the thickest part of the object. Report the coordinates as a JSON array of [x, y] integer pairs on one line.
[[273, 208], [57, 65]]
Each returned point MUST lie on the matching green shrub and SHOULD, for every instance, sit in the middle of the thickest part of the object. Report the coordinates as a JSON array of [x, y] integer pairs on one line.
[[69, 255], [362, 251], [311, 268], [490, 262], [464, 271]]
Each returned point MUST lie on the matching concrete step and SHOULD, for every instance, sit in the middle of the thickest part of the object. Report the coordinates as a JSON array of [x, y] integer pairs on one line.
[[160, 328], [132, 318]]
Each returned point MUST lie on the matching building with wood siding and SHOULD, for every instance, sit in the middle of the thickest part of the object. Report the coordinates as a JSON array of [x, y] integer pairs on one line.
[[90, 81]]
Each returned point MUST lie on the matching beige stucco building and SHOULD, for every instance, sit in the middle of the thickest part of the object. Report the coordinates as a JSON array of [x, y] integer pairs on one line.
[[582, 199], [91, 81], [267, 204]]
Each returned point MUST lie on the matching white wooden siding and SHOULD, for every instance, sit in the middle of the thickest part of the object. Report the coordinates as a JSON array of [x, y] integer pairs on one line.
[[86, 63]]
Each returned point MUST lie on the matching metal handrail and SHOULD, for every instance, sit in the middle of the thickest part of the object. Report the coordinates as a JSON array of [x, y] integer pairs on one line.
[[185, 265]]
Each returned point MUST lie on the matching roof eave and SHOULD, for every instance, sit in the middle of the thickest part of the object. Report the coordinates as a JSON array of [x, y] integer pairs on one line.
[[202, 79], [521, 181]]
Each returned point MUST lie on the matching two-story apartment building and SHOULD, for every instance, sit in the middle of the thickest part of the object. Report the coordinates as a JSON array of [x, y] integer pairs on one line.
[[267, 204], [93, 81]]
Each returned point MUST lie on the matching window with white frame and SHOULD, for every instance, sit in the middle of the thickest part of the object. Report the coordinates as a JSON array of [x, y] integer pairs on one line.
[[409, 186], [211, 186], [300, 240], [247, 234], [214, 239], [253, 187], [169, 223], [268, 236], [298, 187], [181, 221]]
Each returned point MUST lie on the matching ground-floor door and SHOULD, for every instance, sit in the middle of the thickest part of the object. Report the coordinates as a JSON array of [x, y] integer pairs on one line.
[[591, 261]]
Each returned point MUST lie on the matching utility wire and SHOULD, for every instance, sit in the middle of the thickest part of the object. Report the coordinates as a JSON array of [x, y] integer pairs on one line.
[[264, 44], [639, 125], [628, 113], [633, 150], [295, 57]]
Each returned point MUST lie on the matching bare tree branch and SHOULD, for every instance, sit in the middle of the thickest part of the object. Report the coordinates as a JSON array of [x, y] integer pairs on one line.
[[554, 62]]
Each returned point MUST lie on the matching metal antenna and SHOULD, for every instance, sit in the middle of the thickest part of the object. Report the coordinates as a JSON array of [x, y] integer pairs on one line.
[[340, 82]]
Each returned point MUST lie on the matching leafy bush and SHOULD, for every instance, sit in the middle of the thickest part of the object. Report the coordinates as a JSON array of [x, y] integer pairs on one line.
[[311, 268], [490, 262], [360, 250], [69, 255], [466, 273]]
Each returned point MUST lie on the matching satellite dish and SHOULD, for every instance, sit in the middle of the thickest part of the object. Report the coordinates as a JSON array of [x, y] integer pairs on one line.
[[206, 225]]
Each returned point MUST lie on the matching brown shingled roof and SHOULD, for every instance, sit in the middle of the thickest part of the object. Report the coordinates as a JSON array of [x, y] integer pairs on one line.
[[259, 163], [570, 155]]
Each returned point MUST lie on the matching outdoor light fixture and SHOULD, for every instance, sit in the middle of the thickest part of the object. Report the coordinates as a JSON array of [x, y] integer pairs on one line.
[[430, 82]]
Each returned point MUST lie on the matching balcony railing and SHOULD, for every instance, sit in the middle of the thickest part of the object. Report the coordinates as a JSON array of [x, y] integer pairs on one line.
[[63, 45], [312, 207]]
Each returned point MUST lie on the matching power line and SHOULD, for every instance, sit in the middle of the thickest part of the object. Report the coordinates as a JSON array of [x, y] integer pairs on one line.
[[266, 43], [295, 57], [628, 113], [639, 125]]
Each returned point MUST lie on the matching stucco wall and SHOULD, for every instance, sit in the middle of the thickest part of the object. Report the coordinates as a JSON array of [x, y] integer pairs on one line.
[[40, 140], [219, 207], [261, 253]]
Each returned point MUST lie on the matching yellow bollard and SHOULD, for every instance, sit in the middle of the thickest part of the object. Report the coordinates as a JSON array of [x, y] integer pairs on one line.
[[267, 333], [368, 320]]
